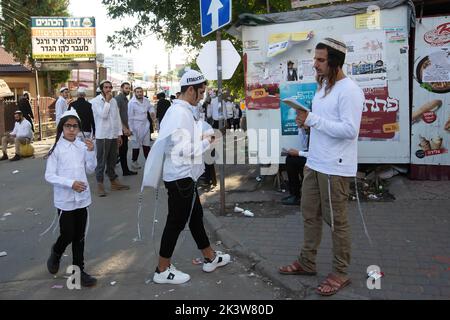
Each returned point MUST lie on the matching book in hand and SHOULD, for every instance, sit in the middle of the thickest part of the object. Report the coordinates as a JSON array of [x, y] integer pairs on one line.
[[293, 103]]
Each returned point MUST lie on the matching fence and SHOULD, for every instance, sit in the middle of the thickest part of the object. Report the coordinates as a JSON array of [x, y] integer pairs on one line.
[[46, 114]]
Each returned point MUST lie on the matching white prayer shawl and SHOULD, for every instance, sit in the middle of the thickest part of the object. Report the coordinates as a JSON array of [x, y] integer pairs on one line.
[[177, 118], [138, 121]]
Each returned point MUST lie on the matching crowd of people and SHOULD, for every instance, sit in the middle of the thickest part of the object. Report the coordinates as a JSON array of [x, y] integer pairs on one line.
[[318, 174], [93, 136]]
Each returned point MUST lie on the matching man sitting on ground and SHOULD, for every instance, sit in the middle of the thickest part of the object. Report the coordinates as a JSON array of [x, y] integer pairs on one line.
[[22, 133], [295, 163]]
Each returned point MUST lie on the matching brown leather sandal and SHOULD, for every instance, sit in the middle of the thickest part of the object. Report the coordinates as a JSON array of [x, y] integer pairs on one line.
[[295, 268], [334, 283]]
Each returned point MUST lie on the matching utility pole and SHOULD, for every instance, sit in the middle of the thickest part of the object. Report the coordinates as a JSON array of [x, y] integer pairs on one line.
[[223, 126]]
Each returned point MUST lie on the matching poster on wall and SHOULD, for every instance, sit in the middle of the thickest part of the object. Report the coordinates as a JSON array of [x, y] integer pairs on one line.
[[380, 116], [282, 42], [303, 93], [366, 58], [431, 97], [262, 85], [262, 96]]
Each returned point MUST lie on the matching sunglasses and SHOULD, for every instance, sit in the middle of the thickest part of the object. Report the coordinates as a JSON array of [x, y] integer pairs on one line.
[[71, 126]]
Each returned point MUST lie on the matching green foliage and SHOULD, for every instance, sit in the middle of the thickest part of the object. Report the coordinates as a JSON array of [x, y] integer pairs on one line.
[[15, 27], [177, 22]]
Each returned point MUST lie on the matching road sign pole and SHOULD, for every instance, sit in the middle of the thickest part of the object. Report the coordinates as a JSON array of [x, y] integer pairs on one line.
[[38, 98], [223, 126]]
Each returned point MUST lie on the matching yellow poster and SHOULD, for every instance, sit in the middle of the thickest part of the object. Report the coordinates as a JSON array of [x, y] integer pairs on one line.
[[281, 42], [368, 20]]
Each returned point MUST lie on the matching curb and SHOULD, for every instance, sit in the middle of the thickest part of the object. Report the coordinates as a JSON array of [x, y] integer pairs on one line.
[[303, 290], [261, 265]]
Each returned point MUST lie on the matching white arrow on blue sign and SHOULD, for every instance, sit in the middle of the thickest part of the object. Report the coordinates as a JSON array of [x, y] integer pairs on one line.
[[214, 14]]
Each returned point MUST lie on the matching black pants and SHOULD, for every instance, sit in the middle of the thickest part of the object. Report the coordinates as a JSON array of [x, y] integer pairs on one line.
[[229, 123], [135, 154], [294, 168], [123, 150], [181, 195], [72, 225], [236, 124]]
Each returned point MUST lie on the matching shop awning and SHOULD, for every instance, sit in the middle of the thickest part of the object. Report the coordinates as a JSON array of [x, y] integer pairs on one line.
[[4, 89]]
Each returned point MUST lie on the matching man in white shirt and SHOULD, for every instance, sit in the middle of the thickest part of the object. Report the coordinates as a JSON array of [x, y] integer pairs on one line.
[[108, 133], [217, 111], [62, 104], [21, 134], [138, 109], [182, 141], [229, 107], [332, 159]]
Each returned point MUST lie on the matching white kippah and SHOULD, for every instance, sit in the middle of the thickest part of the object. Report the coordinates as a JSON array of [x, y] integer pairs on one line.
[[335, 44], [63, 89], [70, 112], [192, 77]]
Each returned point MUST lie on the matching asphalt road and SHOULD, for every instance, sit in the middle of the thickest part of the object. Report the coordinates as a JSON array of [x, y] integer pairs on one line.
[[123, 266]]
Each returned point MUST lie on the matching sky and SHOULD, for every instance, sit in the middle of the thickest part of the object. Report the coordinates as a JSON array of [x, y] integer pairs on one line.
[[151, 53]]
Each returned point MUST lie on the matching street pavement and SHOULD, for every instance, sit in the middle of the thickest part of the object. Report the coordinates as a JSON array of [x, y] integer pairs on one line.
[[411, 241], [411, 237], [123, 266]]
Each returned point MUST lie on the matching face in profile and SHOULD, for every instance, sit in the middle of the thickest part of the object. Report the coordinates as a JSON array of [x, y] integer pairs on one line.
[[321, 62]]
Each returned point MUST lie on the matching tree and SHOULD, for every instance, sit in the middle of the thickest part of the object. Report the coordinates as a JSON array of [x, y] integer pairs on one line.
[[15, 28], [177, 22]]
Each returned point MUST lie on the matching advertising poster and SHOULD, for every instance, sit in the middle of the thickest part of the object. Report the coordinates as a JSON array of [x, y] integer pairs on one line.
[[262, 85], [262, 96], [366, 58], [380, 115], [303, 93], [63, 37], [431, 99]]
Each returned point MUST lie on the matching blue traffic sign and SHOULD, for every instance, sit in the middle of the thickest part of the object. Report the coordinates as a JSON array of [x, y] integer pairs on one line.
[[214, 14]]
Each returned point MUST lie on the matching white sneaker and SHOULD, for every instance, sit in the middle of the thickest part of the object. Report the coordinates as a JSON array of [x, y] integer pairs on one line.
[[171, 276], [135, 165], [220, 260]]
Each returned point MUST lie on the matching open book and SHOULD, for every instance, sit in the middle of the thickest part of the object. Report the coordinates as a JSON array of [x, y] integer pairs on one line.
[[293, 103]]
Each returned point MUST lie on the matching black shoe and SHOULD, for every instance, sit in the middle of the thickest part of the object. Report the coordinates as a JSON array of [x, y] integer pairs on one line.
[[5, 157], [53, 262], [291, 201], [87, 280], [16, 157], [130, 173]]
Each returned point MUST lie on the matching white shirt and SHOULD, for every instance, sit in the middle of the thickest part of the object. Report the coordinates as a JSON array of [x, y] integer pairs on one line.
[[137, 112], [334, 122], [22, 129], [183, 158], [303, 136], [229, 106], [69, 162], [216, 114], [236, 112], [61, 106], [209, 111], [107, 118]]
